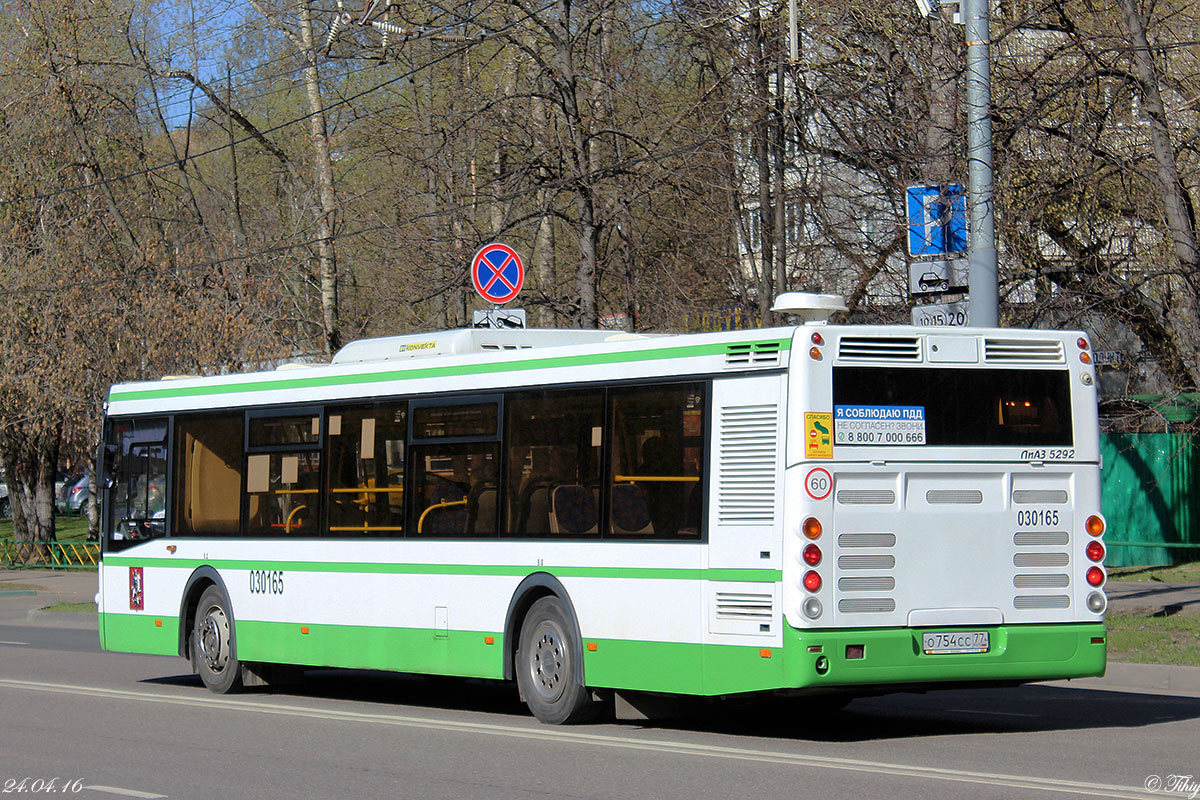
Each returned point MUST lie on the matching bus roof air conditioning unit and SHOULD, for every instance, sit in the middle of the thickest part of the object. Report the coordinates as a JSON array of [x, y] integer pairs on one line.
[[813, 309]]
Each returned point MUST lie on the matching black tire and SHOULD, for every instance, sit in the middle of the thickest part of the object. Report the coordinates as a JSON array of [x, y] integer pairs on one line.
[[546, 659], [214, 646]]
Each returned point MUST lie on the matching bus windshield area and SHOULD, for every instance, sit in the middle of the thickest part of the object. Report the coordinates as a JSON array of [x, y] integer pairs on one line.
[[136, 470], [966, 407]]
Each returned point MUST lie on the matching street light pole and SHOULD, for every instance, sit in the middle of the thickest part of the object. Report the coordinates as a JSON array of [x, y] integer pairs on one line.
[[982, 261]]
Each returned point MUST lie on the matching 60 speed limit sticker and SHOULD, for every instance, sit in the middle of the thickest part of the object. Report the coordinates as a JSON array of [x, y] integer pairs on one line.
[[818, 483]]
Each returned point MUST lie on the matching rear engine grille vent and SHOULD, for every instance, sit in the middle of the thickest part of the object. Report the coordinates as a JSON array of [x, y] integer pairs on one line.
[[954, 496], [866, 497], [752, 354], [866, 605], [1023, 602], [747, 451], [879, 348], [866, 562], [1040, 538], [882, 583], [1041, 560], [1040, 496], [866, 540], [505, 347], [744, 606], [1041, 581], [1023, 350]]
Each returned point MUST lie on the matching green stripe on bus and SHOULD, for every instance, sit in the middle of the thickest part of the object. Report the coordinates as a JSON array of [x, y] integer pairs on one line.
[[505, 570], [551, 362]]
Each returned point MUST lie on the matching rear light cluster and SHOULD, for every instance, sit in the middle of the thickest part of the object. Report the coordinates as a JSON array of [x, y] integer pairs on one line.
[[1084, 358], [1094, 550], [814, 352], [812, 556]]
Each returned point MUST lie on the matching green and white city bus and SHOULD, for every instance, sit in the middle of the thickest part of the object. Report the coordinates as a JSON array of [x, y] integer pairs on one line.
[[807, 508]]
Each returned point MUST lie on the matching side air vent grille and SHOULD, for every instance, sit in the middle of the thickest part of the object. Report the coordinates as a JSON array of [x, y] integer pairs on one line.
[[866, 497], [882, 583], [1041, 560], [954, 496], [866, 540], [1040, 538], [1047, 351], [866, 605], [866, 562], [752, 354], [747, 452], [1041, 581], [879, 348], [744, 606], [1023, 602], [1040, 496]]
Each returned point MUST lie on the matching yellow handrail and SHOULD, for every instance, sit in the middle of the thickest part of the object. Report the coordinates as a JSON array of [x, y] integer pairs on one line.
[[287, 524], [443, 504]]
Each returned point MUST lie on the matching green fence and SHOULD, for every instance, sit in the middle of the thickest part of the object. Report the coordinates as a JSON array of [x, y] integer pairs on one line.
[[1151, 492], [49, 555]]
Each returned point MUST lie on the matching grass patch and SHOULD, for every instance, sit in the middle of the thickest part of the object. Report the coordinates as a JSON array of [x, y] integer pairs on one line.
[[1154, 640], [71, 607], [66, 529], [1180, 573], [71, 529], [12, 586]]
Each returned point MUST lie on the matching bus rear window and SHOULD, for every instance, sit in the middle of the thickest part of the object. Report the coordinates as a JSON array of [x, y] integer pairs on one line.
[[966, 407]]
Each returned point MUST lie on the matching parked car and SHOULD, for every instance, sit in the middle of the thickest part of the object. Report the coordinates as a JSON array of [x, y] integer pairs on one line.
[[62, 487], [79, 495], [5, 512]]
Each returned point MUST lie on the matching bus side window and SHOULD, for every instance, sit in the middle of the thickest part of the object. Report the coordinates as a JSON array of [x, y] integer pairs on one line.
[[656, 462], [365, 475], [552, 483], [136, 480]]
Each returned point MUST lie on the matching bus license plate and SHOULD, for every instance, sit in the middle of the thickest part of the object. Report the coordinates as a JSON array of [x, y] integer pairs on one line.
[[942, 642]]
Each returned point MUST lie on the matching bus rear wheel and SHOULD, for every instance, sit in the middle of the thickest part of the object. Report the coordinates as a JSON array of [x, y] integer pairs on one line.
[[546, 661], [213, 645]]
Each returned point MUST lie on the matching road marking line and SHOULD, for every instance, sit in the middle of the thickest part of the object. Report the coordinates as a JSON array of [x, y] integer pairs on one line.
[[17, 644], [561, 735], [125, 792]]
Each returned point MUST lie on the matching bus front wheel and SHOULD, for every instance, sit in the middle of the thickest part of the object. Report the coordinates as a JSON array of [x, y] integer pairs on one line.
[[546, 661], [213, 650]]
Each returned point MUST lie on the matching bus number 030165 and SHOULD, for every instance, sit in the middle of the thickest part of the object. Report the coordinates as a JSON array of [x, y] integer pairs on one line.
[[266, 581], [1037, 518]]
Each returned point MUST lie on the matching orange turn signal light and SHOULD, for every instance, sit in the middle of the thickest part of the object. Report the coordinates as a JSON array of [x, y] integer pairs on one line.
[[1094, 525], [812, 528]]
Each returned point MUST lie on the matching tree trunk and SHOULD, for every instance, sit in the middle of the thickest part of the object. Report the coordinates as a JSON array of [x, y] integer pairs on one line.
[[323, 172]]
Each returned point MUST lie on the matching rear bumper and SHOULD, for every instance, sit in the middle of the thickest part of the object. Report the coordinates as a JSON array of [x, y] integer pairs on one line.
[[1017, 653]]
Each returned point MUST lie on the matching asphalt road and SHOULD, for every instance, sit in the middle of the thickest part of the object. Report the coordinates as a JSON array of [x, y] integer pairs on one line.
[[111, 725]]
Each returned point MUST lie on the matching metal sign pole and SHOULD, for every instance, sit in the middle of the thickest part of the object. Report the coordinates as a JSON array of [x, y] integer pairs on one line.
[[981, 255]]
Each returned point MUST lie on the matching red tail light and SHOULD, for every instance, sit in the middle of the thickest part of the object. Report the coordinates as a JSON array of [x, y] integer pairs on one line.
[[812, 555], [1095, 550], [812, 581], [1095, 576]]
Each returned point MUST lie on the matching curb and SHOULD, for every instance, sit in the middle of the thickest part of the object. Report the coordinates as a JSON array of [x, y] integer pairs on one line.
[[1123, 675]]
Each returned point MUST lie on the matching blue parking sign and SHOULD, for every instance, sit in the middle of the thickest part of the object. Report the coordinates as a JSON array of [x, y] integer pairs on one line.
[[937, 220]]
